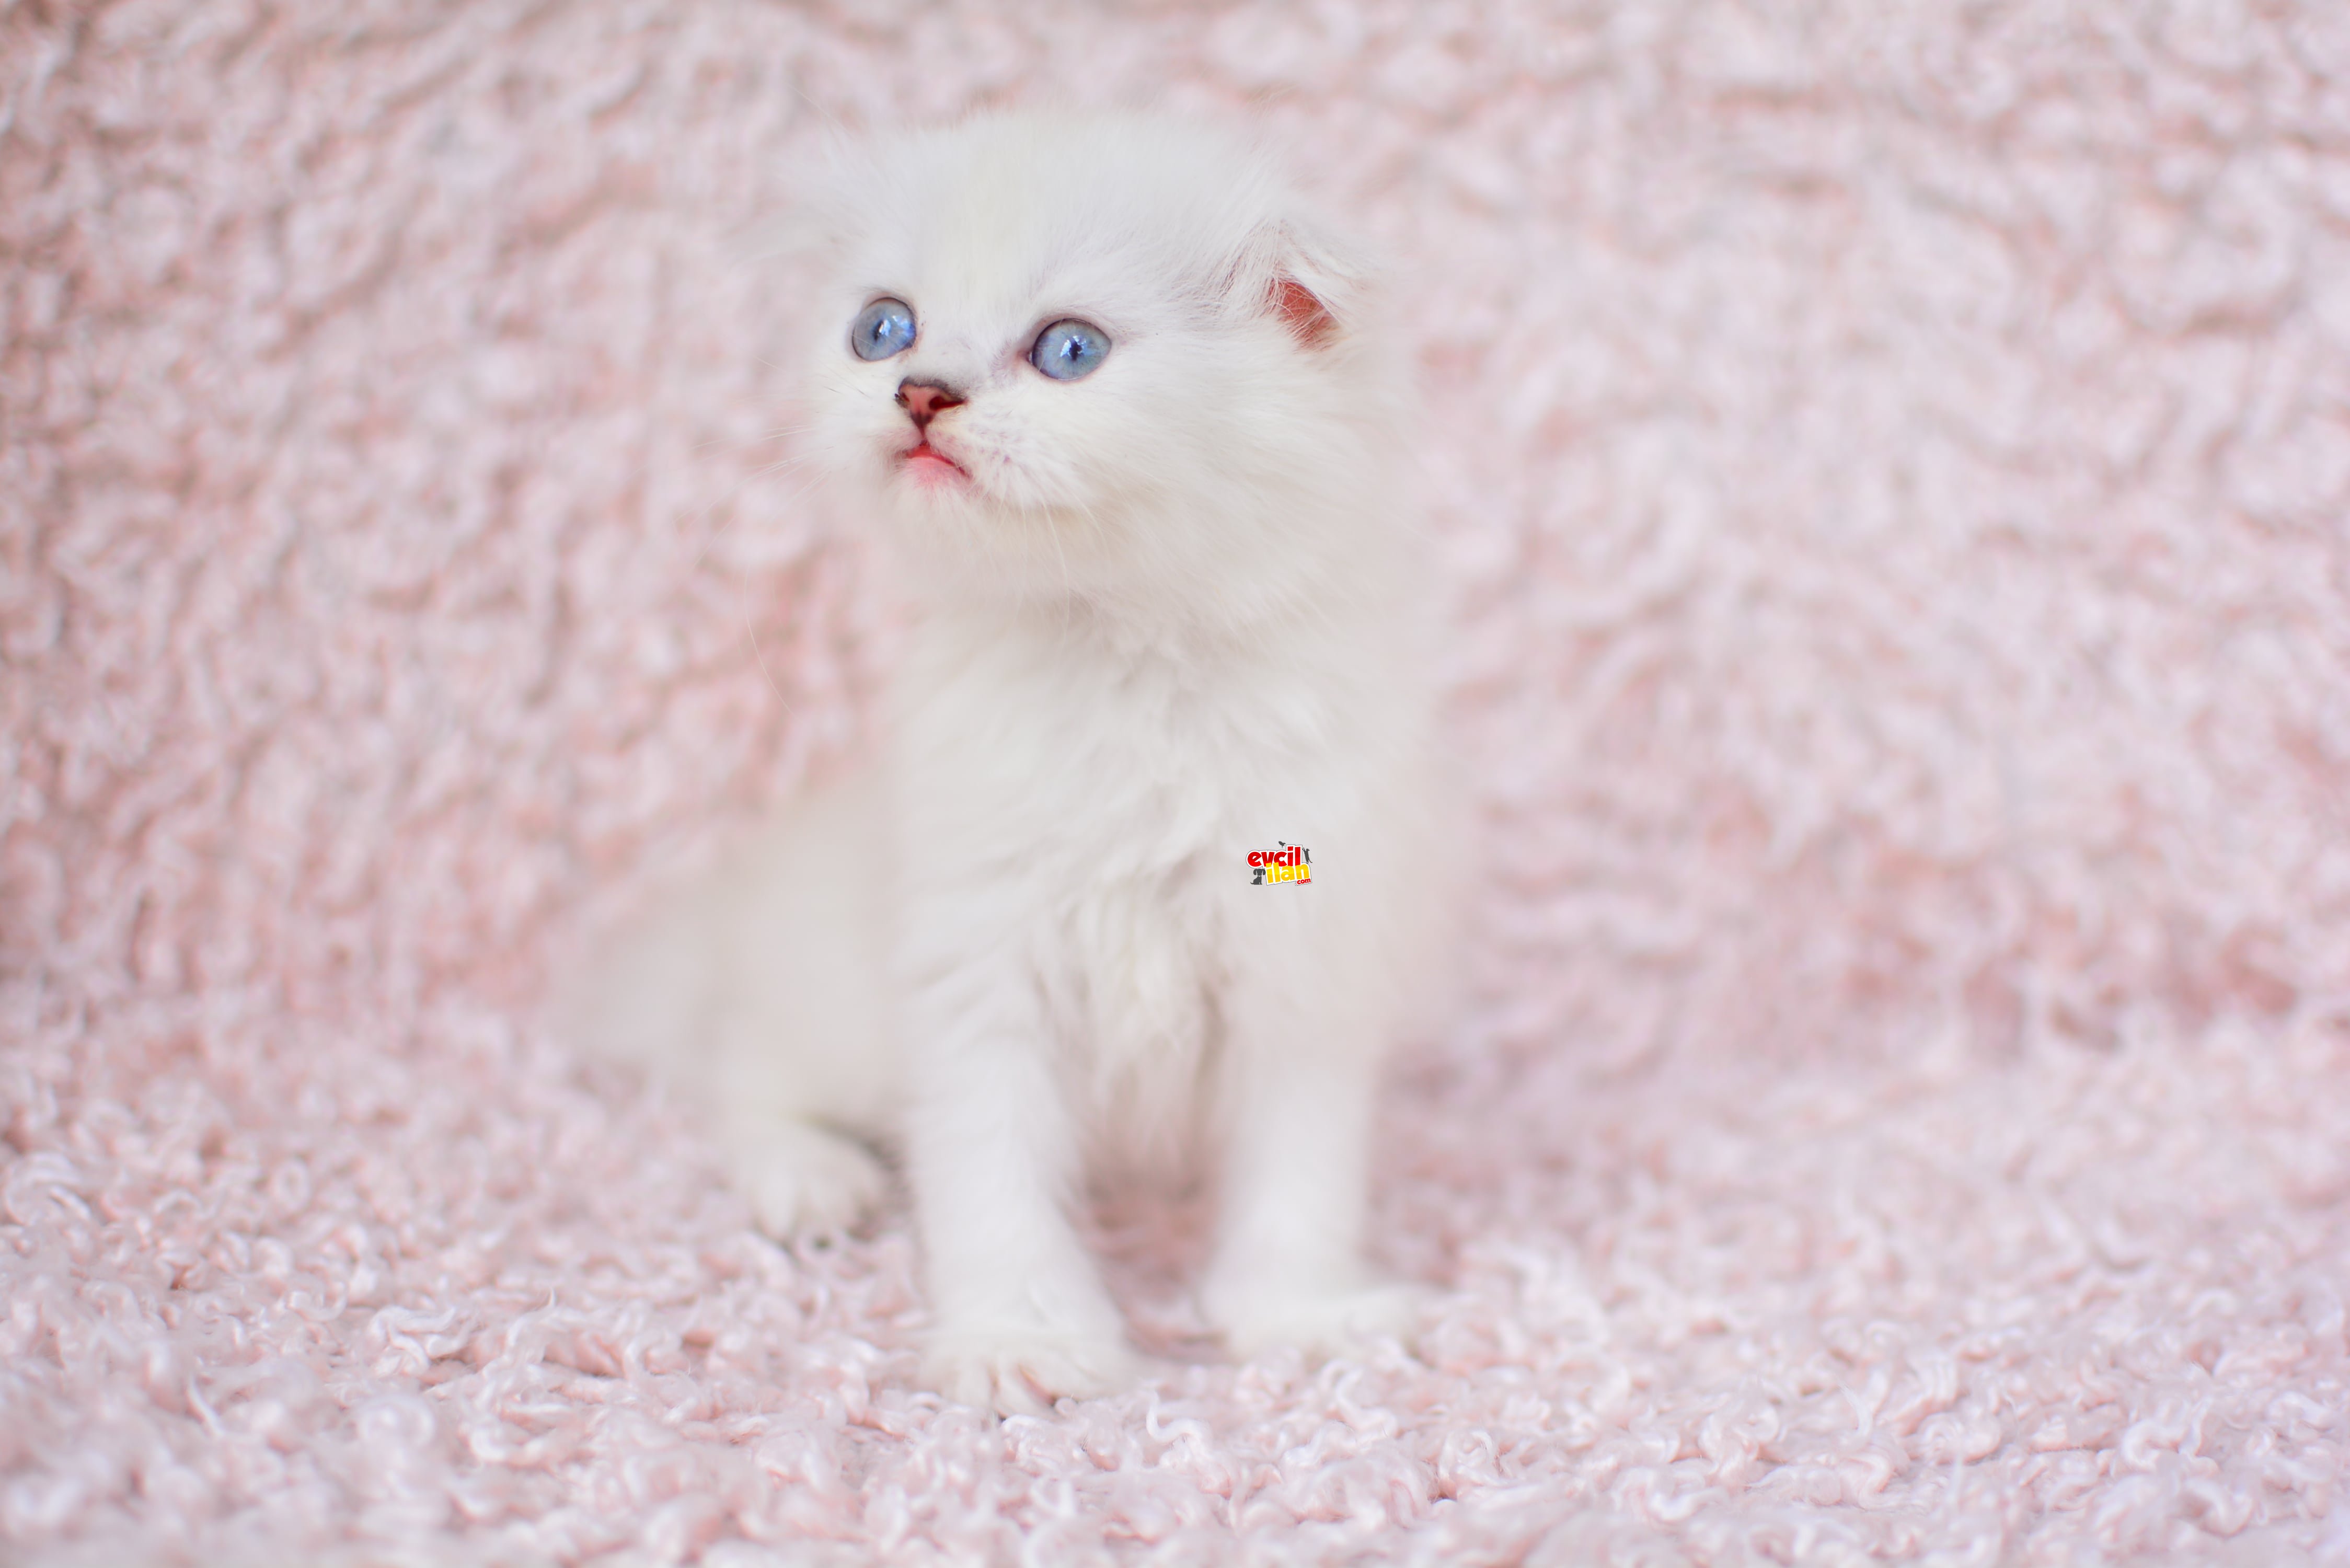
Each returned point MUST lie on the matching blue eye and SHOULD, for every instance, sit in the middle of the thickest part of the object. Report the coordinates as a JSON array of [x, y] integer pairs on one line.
[[1069, 349], [885, 328]]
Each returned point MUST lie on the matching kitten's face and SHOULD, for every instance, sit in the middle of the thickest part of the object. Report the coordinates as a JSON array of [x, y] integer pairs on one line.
[[1060, 345]]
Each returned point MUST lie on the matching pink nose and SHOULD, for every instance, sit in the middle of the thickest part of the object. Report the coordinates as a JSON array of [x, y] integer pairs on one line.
[[925, 400]]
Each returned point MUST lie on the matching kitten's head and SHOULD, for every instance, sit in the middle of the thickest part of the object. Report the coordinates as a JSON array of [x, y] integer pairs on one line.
[[1091, 354]]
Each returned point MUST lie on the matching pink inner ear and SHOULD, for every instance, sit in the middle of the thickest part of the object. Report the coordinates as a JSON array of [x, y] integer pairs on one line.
[[1308, 320]]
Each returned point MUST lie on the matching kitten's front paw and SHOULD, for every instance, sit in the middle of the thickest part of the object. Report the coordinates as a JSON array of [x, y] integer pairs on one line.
[[1021, 1371], [1339, 1321], [804, 1177]]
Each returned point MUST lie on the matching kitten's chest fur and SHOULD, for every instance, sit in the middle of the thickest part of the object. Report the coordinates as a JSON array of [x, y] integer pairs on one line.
[[1096, 797]]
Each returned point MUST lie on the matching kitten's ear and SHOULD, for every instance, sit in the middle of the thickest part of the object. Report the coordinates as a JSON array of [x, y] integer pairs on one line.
[[1302, 311], [1300, 278]]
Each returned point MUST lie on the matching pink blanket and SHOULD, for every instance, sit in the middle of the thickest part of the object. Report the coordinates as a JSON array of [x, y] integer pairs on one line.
[[1890, 466]]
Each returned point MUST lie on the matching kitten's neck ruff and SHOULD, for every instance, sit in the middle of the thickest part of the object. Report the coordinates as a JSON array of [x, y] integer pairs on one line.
[[1205, 576], [1259, 607]]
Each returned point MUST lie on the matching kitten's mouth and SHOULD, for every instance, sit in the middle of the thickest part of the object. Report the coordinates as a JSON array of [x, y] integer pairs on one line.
[[928, 465]]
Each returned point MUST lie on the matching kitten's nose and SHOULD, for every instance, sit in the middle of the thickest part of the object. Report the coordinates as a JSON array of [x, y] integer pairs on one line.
[[924, 401]]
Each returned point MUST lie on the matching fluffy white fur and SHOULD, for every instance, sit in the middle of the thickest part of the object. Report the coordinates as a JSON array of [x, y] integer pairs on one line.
[[1167, 616]]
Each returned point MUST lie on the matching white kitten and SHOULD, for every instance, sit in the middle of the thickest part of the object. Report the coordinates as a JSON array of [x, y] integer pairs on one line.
[[1113, 391]]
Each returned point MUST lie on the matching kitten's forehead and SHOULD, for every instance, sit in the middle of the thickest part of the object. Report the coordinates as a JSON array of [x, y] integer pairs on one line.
[[996, 212]]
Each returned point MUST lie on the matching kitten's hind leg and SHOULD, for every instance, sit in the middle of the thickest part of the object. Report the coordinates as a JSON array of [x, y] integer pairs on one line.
[[758, 994], [799, 1175]]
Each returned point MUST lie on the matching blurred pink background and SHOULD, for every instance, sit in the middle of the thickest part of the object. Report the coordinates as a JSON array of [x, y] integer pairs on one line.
[[1890, 468]]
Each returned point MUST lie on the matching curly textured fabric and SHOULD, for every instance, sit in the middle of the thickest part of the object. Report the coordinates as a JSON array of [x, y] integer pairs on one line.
[[1889, 471]]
